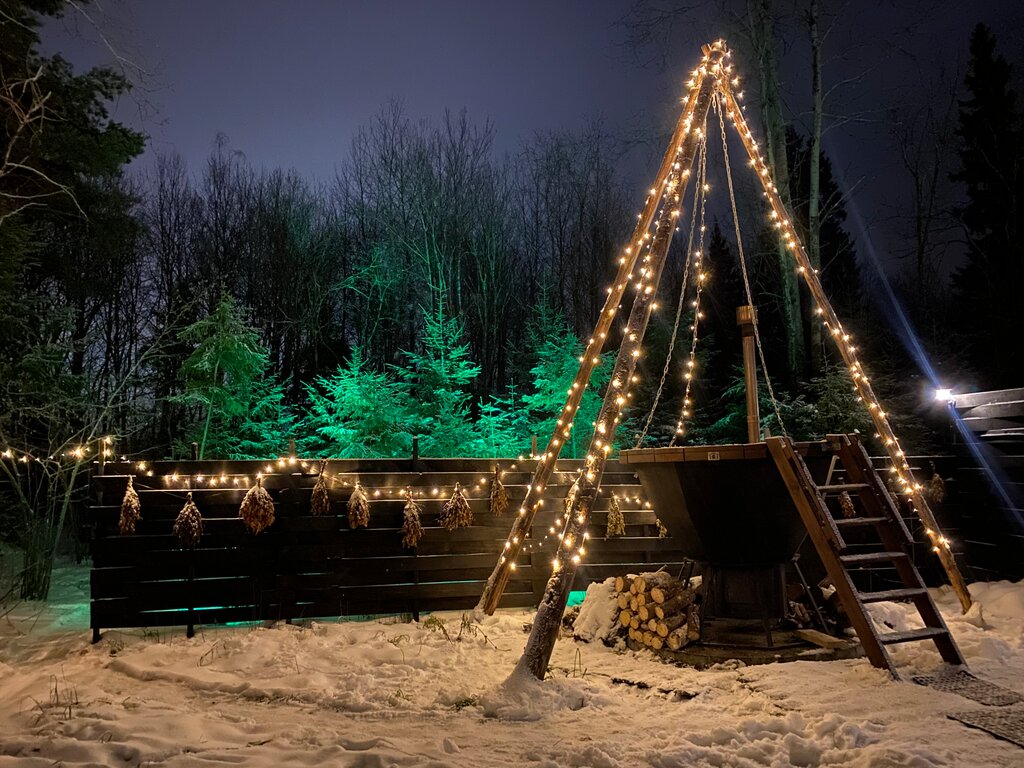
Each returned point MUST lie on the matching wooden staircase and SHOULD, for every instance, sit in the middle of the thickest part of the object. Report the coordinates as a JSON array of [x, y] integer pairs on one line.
[[833, 513]]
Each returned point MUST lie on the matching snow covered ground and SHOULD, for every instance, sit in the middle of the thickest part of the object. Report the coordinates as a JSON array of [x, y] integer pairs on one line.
[[379, 693]]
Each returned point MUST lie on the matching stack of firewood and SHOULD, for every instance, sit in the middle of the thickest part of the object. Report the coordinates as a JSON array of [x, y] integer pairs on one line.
[[657, 610]]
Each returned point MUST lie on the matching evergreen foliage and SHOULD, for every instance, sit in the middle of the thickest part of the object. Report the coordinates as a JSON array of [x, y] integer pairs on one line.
[[438, 380], [558, 351], [504, 426], [357, 412], [242, 412], [827, 404], [67, 248]]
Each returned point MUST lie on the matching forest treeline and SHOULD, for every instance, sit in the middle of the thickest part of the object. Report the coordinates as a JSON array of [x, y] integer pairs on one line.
[[433, 288]]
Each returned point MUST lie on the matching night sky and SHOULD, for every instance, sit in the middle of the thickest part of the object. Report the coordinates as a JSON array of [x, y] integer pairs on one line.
[[290, 83]]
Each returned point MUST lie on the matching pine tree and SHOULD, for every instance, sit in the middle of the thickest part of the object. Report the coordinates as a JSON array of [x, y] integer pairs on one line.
[[504, 426], [992, 171], [358, 412], [558, 352], [241, 409], [438, 379]]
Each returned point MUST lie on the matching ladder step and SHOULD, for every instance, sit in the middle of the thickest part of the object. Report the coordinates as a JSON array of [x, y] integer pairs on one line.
[[839, 488], [928, 633], [871, 557], [860, 520], [891, 594]]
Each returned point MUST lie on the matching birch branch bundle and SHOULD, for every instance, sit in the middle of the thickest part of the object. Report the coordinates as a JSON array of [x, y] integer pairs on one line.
[[131, 510]]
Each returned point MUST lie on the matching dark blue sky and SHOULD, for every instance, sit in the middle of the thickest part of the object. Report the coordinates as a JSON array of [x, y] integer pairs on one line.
[[290, 83]]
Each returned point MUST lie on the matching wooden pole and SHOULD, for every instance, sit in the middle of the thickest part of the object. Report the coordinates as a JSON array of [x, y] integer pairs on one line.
[[847, 351], [591, 357], [582, 494], [745, 318]]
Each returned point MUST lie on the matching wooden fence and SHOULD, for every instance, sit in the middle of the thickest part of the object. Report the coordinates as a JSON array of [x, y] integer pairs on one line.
[[306, 566]]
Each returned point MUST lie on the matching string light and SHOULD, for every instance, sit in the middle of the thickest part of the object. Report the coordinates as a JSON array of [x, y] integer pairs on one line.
[[698, 265], [847, 350]]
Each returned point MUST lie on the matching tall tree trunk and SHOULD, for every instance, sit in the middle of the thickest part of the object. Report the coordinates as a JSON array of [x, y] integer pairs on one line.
[[762, 29], [209, 413], [814, 188]]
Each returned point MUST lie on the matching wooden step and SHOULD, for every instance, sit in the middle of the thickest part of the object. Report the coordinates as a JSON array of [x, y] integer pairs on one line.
[[839, 488], [871, 557], [891, 594], [859, 520], [912, 635]]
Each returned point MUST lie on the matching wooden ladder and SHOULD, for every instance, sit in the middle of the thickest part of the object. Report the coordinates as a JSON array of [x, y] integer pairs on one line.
[[876, 510]]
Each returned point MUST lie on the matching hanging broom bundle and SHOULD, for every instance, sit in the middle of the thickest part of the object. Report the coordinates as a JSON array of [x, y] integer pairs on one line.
[[412, 531], [499, 495], [662, 530], [131, 510], [320, 502], [257, 509], [456, 512], [846, 505], [935, 490], [358, 508], [616, 520], [188, 526]]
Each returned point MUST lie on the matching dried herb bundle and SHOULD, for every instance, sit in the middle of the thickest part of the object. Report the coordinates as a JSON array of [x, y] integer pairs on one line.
[[616, 520], [257, 509], [662, 530], [499, 495], [846, 505], [935, 490], [320, 502], [188, 526], [131, 510], [358, 508], [456, 512], [412, 531]]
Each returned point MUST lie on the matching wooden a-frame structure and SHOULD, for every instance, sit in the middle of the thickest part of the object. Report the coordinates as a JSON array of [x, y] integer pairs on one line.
[[640, 267]]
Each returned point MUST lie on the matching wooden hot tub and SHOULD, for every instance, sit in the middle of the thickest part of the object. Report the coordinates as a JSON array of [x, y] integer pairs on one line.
[[729, 510]]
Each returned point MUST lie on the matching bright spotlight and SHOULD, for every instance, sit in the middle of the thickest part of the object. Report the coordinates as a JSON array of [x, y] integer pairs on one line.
[[944, 395]]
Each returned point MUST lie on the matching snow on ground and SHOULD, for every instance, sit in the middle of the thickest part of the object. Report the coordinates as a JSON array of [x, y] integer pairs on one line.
[[437, 693]]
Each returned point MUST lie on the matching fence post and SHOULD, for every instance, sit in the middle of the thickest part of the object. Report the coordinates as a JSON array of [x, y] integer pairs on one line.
[[415, 447]]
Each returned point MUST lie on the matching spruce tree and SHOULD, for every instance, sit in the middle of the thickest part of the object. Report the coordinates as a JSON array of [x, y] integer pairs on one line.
[[242, 414], [357, 412], [558, 350], [439, 378]]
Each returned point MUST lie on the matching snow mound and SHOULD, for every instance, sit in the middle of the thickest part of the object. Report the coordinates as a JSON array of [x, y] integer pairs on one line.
[[598, 613], [524, 697]]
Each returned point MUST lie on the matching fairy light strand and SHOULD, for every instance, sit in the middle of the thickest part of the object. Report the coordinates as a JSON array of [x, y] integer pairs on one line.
[[698, 262], [844, 342]]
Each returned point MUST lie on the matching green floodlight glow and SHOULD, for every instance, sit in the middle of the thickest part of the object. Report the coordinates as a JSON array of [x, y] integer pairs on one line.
[[576, 598]]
